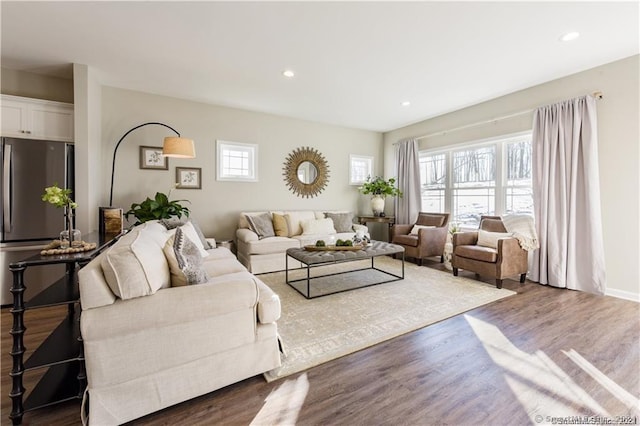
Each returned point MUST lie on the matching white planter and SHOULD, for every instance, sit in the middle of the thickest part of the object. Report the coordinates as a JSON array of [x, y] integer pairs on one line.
[[377, 204], [448, 251]]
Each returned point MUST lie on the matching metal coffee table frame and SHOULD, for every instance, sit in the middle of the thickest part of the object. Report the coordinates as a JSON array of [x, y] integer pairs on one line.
[[333, 257]]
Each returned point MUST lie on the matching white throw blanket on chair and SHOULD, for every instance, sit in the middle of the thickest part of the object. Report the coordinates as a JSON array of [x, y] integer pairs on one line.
[[523, 228]]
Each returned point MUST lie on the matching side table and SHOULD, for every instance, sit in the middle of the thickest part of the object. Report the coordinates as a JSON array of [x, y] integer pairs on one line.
[[389, 220], [62, 351]]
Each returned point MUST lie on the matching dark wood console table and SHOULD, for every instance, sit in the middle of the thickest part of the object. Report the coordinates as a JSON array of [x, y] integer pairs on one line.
[[389, 220], [62, 351]]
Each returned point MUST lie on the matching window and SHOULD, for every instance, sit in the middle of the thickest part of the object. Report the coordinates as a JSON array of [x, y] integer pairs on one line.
[[237, 161], [488, 178], [360, 168]]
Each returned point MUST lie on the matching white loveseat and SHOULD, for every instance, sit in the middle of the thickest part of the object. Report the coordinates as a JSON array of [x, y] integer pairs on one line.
[[264, 251], [149, 345]]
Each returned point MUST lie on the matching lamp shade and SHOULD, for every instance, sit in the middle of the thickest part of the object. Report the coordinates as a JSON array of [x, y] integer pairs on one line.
[[178, 147]]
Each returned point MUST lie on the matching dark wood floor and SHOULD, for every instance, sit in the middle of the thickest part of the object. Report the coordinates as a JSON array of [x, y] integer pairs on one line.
[[543, 352]]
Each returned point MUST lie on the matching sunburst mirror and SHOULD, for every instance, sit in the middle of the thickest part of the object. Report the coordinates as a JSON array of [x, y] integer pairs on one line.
[[306, 172]]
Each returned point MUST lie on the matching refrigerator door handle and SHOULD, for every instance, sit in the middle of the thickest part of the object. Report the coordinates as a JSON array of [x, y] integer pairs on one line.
[[6, 179]]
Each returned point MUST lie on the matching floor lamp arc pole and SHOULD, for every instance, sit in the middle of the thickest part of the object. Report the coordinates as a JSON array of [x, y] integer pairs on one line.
[[115, 151]]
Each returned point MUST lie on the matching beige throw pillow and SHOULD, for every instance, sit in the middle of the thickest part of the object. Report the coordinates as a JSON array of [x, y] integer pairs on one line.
[[490, 239], [280, 225], [135, 266], [416, 229]]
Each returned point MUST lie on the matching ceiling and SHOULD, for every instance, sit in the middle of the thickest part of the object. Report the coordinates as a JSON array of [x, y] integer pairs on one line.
[[354, 62]]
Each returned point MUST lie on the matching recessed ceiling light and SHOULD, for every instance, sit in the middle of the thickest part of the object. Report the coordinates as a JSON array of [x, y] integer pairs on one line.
[[572, 35], [288, 73], [405, 103]]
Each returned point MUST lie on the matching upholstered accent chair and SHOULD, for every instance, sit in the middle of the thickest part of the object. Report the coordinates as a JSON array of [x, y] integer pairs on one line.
[[489, 252], [424, 238]]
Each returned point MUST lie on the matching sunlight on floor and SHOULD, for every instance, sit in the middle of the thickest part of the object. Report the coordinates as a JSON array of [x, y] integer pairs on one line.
[[283, 405], [615, 389], [540, 385]]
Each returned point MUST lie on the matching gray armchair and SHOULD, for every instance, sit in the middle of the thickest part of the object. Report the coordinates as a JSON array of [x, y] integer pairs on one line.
[[427, 241], [505, 260]]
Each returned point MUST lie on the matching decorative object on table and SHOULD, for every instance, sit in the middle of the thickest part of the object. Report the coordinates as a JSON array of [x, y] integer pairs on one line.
[[160, 207], [306, 172], [188, 178], [379, 188], [151, 158], [62, 198], [110, 220], [56, 247], [177, 147], [334, 248]]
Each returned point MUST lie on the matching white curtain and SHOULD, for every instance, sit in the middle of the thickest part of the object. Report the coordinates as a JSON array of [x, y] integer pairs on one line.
[[408, 206], [566, 195]]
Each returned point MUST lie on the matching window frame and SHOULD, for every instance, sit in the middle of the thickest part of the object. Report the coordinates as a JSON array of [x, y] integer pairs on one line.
[[222, 146], [501, 178], [367, 159]]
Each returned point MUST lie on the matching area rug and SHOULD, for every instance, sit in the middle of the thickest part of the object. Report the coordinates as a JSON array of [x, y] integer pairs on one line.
[[314, 331]]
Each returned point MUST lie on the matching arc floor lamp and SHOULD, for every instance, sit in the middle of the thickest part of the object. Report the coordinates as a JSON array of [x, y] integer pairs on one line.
[[177, 147], [110, 218]]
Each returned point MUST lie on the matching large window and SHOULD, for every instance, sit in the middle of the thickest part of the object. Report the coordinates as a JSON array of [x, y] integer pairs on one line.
[[488, 178]]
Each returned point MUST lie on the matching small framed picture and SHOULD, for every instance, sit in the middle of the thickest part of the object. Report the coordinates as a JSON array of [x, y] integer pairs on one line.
[[188, 177], [151, 158]]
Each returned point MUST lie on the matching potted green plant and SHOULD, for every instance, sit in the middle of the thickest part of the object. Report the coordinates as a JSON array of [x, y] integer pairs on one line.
[[157, 208], [379, 188]]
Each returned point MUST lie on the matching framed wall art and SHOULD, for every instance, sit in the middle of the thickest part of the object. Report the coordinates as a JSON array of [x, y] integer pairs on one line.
[[188, 178], [151, 158]]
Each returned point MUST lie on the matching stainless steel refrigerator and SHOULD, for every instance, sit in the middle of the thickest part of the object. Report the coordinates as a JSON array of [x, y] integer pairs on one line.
[[27, 222]]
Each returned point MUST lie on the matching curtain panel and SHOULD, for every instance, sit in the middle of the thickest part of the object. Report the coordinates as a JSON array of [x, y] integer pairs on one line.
[[566, 195], [408, 206]]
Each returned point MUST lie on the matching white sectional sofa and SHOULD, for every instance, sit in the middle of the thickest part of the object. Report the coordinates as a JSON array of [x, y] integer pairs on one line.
[[150, 344], [262, 238]]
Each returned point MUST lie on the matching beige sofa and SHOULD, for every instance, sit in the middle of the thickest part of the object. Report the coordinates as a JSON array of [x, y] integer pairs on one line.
[[262, 253], [149, 345]]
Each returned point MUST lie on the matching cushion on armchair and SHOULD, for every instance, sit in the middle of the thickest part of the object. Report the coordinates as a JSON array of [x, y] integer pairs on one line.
[[490, 239], [416, 228]]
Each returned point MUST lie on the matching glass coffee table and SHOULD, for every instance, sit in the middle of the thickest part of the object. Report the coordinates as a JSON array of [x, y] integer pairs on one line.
[[343, 280]]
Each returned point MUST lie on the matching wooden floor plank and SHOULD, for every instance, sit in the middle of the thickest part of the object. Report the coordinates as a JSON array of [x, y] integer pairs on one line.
[[441, 374]]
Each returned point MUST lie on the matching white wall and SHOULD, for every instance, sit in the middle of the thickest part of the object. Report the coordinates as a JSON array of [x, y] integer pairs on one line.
[[619, 153], [217, 205]]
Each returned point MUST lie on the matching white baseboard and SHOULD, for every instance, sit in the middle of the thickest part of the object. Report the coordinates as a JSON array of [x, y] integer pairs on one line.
[[620, 294]]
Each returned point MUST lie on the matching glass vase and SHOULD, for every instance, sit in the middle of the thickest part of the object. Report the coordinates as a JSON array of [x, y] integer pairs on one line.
[[74, 241]]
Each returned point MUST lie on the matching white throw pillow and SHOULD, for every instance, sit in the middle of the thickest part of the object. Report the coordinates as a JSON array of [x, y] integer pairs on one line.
[[192, 234], [318, 226], [490, 239], [416, 229], [295, 219], [135, 266]]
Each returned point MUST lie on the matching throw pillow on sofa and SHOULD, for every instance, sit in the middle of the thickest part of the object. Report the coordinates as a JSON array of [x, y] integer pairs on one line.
[[174, 222], [280, 226], [134, 266], [261, 224], [342, 222], [184, 259], [318, 226]]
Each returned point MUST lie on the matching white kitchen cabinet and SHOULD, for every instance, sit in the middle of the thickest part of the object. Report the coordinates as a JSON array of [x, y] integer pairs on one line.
[[36, 119]]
